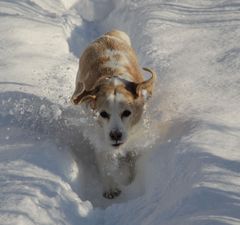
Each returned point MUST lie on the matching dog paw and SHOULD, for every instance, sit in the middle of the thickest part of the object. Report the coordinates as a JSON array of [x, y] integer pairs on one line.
[[111, 194]]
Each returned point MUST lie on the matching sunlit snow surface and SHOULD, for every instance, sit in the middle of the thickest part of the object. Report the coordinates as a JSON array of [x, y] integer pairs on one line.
[[190, 165]]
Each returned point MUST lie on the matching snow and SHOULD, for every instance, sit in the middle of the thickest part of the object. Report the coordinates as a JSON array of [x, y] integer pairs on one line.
[[190, 164]]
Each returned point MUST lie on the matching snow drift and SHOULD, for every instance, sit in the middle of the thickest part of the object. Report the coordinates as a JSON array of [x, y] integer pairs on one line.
[[189, 171]]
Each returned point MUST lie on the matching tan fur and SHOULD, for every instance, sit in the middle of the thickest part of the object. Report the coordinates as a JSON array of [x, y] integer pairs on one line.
[[92, 61], [91, 64], [99, 59]]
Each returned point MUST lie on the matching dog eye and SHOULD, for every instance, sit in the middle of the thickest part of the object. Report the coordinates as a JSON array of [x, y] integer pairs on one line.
[[104, 115], [126, 113]]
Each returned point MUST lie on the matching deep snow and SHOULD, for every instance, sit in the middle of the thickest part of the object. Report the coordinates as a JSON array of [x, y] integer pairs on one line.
[[189, 171]]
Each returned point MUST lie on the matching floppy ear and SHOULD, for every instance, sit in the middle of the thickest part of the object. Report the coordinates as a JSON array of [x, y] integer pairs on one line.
[[145, 88], [80, 95]]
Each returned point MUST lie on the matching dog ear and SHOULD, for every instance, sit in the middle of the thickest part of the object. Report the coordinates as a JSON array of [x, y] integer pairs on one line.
[[80, 95], [89, 100], [145, 88]]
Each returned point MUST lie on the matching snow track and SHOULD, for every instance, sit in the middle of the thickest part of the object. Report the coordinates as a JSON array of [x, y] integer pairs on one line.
[[189, 172]]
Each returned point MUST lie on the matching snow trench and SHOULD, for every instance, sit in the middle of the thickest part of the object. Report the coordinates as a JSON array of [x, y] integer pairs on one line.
[[189, 169]]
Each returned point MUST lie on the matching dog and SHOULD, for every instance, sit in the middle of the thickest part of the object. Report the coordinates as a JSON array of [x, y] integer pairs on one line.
[[110, 82]]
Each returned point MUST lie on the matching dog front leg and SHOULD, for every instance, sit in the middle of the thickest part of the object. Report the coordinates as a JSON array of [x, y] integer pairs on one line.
[[127, 164], [107, 166]]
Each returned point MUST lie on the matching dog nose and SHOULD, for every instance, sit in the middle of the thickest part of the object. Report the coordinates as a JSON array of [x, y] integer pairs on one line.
[[115, 135]]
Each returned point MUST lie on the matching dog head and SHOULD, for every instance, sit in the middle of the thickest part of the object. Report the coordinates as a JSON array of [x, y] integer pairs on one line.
[[119, 104]]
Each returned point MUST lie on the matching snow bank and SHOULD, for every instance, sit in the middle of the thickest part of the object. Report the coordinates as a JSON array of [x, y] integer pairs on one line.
[[188, 173], [38, 173]]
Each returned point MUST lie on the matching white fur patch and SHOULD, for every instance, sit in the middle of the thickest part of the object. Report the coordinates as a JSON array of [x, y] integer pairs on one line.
[[112, 53], [116, 98], [145, 94], [113, 62], [111, 98], [116, 81], [126, 76], [123, 37], [120, 98]]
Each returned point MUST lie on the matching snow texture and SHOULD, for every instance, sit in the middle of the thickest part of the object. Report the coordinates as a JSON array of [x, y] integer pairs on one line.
[[190, 164]]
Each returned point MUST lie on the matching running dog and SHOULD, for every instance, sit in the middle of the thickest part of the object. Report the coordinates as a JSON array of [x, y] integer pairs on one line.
[[110, 81]]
